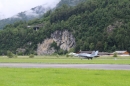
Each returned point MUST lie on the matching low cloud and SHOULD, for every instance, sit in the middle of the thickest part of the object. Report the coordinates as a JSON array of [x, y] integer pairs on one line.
[[12, 7]]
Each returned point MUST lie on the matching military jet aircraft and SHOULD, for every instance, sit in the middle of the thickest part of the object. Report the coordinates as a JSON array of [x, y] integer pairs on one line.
[[89, 56]]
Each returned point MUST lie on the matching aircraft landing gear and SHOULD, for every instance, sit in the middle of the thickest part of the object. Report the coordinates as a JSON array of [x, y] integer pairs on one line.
[[90, 58]]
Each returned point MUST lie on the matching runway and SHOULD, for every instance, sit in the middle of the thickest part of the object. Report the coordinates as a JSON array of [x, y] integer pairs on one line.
[[83, 66]]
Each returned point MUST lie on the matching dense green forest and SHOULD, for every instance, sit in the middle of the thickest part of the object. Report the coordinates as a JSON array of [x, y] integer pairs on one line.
[[70, 2], [102, 25]]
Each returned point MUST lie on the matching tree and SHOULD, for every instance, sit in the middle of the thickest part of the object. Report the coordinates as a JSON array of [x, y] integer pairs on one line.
[[99, 46], [10, 54], [115, 55], [105, 46], [114, 48], [31, 56], [91, 46], [54, 45]]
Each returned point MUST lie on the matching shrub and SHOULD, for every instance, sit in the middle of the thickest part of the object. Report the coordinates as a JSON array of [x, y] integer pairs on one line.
[[115, 55], [31, 56], [67, 55], [10, 54]]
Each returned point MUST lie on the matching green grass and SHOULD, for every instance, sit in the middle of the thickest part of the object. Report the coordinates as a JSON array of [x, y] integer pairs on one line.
[[64, 60], [63, 77], [66, 76]]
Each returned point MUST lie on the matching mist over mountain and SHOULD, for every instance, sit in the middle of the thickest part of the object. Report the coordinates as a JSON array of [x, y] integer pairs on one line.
[[33, 13], [1, 16]]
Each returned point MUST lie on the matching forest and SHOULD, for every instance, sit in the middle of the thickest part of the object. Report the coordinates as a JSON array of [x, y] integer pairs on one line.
[[102, 25]]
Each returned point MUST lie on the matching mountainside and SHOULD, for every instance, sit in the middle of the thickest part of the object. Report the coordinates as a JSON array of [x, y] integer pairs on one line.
[[94, 25], [35, 12], [31, 14], [69, 2], [63, 39]]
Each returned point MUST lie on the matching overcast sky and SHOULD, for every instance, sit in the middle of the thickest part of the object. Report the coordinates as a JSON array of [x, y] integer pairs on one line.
[[9, 8]]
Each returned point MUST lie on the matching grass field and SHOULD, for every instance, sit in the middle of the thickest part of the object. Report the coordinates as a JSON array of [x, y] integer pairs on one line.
[[65, 60], [63, 77]]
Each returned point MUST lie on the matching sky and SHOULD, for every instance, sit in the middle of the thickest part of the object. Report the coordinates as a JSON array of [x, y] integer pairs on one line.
[[10, 8]]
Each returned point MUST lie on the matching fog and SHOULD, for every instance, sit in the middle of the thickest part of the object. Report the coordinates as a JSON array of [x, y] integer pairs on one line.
[[9, 8]]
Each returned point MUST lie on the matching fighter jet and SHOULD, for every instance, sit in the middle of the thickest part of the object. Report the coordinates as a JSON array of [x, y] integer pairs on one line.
[[89, 56]]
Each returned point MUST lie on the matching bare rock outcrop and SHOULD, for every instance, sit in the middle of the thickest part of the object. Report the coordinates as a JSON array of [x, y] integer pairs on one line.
[[64, 40], [44, 48]]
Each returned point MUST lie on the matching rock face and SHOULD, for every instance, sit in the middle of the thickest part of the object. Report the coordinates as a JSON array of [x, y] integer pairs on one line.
[[44, 48], [64, 40]]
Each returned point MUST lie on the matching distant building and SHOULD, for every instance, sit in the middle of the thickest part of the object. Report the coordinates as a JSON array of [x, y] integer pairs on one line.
[[36, 27], [103, 53], [123, 53]]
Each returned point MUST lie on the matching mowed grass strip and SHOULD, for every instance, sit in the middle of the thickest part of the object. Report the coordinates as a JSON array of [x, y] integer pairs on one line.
[[63, 77], [63, 60]]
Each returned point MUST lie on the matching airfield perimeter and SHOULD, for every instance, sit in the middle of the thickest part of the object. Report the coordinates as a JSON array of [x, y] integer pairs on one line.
[[63, 62], [83, 66]]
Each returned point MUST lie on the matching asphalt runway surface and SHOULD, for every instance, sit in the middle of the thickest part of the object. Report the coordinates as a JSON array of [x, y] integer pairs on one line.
[[83, 66]]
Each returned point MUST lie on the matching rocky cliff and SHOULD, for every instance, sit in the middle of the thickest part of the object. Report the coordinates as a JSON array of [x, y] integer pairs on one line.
[[64, 40]]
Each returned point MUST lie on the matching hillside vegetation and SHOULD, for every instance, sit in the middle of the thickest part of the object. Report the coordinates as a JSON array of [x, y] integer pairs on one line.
[[97, 25], [70, 2]]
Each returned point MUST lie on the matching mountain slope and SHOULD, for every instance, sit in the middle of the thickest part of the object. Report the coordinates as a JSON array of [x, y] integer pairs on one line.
[[33, 13], [96, 25], [70, 2], [36, 12]]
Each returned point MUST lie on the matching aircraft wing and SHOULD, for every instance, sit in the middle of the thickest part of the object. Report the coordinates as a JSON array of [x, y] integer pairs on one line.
[[85, 55]]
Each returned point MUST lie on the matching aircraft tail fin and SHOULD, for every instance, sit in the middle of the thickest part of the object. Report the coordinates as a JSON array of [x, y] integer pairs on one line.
[[93, 53], [96, 53]]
